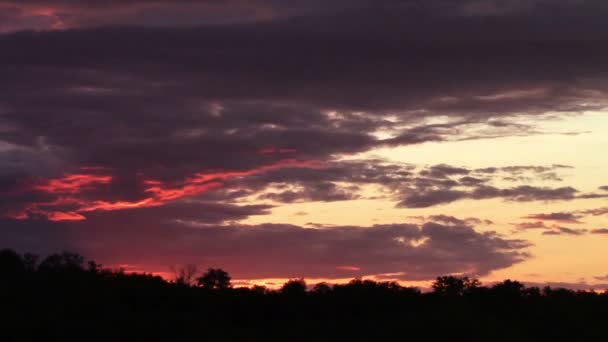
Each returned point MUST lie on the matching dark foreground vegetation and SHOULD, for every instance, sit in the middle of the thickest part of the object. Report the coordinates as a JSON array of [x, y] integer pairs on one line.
[[62, 298]]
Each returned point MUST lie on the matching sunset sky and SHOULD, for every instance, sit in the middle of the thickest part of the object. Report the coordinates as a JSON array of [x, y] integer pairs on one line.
[[325, 139]]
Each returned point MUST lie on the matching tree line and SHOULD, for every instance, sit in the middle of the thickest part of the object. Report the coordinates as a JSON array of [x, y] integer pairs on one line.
[[63, 297]]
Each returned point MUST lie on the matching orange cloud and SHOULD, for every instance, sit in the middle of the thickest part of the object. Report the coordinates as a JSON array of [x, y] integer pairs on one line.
[[62, 216], [72, 183]]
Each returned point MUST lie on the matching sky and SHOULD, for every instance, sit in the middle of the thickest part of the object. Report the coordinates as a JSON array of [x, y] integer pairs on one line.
[[384, 139]]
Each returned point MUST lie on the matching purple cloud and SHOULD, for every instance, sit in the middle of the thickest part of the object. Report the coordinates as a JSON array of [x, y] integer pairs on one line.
[[417, 252]]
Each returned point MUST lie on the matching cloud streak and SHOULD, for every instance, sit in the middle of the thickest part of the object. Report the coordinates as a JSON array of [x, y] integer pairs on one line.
[[71, 202]]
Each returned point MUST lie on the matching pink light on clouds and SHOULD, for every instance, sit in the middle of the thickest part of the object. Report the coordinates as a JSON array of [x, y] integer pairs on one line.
[[70, 189], [72, 183], [348, 268]]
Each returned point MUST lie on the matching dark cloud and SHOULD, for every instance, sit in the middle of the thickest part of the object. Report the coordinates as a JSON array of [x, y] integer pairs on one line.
[[524, 193], [530, 225], [564, 217], [462, 16], [172, 101], [418, 252], [558, 230], [553, 229], [451, 220], [75, 195], [604, 188], [323, 192], [559, 217], [432, 198], [410, 186], [595, 212], [471, 181], [421, 188], [527, 173], [187, 211], [279, 180], [442, 171]]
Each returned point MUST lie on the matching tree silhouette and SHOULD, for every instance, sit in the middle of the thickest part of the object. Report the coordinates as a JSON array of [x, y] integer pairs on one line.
[[64, 297], [185, 275], [454, 285], [294, 287], [509, 289], [30, 262], [11, 264], [64, 262], [321, 288], [215, 279]]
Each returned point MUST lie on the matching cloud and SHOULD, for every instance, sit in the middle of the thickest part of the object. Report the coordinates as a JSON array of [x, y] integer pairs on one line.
[[169, 99], [595, 212], [443, 171], [408, 185], [73, 196], [554, 229], [419, 252], [565, 217], [432, 198], [561, 217], [451, 220], [281, 181], [523, 193], [558, 230], [530, 225], [322, 191], [600, 231], [191, 212]]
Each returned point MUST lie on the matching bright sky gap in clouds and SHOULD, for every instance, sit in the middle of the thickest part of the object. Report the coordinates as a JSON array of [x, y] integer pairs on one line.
[[320, 139]]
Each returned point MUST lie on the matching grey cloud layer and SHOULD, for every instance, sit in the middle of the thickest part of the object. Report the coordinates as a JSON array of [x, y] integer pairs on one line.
[[572, 217], [415, 252], [409, 186], [176, 100], [585, 15]]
